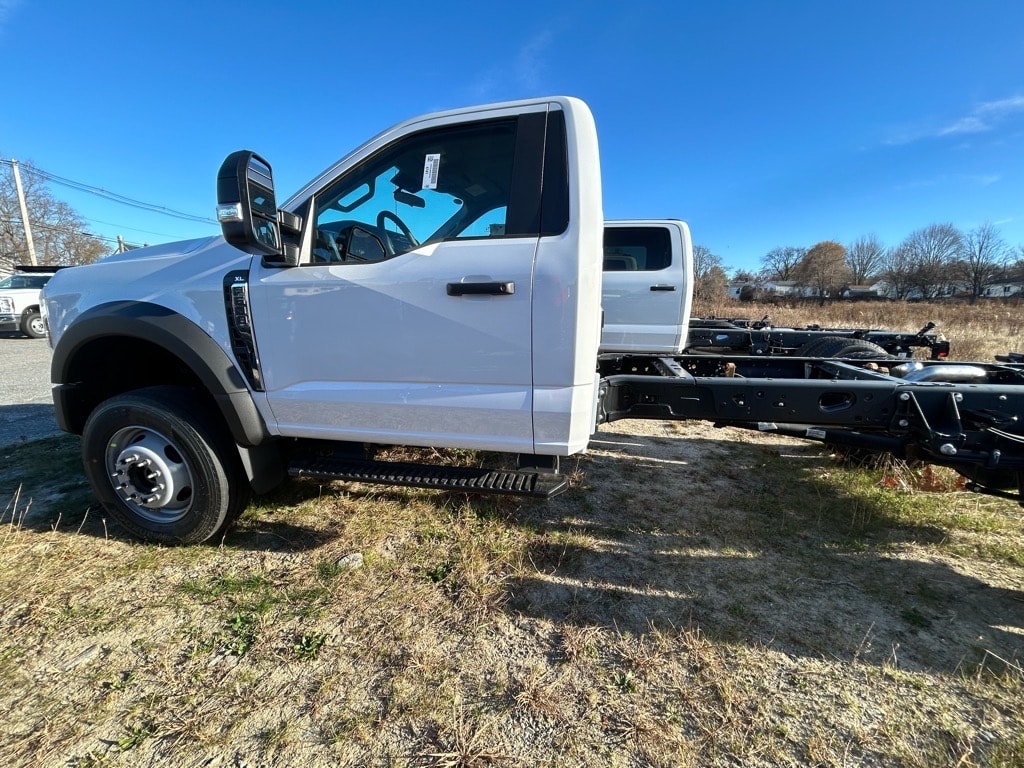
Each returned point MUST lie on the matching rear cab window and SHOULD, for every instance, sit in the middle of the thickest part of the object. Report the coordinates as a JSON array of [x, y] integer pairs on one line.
[[637, 249]]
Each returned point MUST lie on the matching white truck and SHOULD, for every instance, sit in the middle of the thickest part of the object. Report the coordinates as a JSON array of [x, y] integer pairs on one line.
[[647, 286], [19, 300], [439, 286], [647, 293]]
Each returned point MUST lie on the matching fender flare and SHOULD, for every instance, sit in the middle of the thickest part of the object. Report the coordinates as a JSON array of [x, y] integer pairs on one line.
[[171, 331]]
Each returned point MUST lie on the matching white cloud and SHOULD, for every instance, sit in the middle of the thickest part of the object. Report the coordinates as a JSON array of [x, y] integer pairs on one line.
[[985, 117], [522, 75], [985, 179], [530, 64]]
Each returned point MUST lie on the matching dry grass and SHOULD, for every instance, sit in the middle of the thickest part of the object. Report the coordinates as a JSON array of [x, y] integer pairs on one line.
[[976, 332], [828, 618]]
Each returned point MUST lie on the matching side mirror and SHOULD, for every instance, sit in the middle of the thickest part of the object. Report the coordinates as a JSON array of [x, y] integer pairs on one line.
[[246, 207]]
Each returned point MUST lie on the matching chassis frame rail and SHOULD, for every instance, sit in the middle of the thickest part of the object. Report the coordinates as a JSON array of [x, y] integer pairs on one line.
[[974, 428]]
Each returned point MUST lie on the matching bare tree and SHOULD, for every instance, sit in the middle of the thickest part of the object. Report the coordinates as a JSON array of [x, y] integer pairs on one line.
[[823, 269], [58, 232], [983, 255], [781, 263], [864, 258], [709, 275], [1015, 270], [898, 271], [933, 251]]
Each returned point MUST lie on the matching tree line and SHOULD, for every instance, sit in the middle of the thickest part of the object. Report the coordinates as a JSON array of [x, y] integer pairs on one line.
[[932, 262]]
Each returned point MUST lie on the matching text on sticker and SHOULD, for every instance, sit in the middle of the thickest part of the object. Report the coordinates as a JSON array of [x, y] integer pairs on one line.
[[431, 164]]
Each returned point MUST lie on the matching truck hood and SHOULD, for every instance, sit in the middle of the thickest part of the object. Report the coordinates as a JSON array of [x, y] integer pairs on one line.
[[178, 248], [185, 277]]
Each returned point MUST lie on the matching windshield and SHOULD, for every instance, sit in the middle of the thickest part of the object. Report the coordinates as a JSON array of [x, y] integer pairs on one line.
[[24, 281]]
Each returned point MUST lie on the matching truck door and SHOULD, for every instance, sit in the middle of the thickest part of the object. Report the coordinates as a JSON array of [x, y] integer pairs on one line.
[[411, 320], [646, 290]]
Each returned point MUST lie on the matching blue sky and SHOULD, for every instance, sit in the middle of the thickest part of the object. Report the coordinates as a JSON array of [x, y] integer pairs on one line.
[[761, 124]]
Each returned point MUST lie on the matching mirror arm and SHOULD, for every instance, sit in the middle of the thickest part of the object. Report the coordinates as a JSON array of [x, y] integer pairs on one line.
[[291, 231]]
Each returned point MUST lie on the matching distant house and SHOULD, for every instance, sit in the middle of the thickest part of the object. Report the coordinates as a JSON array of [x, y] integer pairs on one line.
[[887, 290], [878, 289], [790, 289], [782, 288], [740, 289], [768, 289], [1003, 290]]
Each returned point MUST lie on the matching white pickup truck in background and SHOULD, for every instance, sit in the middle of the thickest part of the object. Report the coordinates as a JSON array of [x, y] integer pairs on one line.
[[646, 289], [647, 295], [20, 302]]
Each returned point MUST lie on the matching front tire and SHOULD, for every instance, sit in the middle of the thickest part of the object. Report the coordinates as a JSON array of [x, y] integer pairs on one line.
[[32, 325], [163, 465]]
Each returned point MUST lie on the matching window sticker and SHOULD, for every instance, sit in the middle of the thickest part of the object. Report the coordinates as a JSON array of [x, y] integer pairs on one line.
[[431, 164]]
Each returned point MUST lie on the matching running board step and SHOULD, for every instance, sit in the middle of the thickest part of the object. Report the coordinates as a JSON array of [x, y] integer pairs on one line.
[[465, 479]]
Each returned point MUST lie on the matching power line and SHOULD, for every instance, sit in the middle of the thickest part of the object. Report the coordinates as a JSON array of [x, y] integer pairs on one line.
[[17, 219], [112, 196], [131, 229], [65, 230]]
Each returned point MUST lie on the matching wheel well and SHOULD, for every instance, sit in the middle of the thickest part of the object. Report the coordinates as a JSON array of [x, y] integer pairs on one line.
[[112, 365]]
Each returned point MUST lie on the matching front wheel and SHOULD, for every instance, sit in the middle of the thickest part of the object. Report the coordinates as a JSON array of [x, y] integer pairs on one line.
[[32, 325], [164, 466]]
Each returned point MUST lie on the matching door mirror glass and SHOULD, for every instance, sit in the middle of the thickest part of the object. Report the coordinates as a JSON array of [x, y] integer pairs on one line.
[[246, 205]]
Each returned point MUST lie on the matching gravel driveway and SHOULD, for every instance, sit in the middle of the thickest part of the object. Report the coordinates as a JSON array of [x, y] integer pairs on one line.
[[26, 408]]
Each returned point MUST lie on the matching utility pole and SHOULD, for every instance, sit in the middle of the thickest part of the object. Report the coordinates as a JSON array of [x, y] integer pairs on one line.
[[24, 212]]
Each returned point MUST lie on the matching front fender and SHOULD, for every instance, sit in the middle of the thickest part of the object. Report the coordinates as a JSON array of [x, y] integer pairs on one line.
[[124, 345]]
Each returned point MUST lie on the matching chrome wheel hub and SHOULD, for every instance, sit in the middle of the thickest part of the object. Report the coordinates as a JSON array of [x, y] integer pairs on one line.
[[150, 475]]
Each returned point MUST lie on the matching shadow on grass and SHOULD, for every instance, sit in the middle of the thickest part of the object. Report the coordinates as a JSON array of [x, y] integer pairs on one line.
[[27, 422], [765, 547], [44, 489]]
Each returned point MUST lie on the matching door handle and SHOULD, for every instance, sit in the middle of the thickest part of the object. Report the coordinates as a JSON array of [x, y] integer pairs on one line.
[[663, 287], [482, 289]]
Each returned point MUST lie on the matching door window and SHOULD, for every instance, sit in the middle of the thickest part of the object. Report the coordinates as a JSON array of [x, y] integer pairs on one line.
[[443, 184], [636, 249]]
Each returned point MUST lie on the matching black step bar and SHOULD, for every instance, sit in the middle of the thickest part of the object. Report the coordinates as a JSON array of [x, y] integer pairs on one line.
[[463, 479]]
